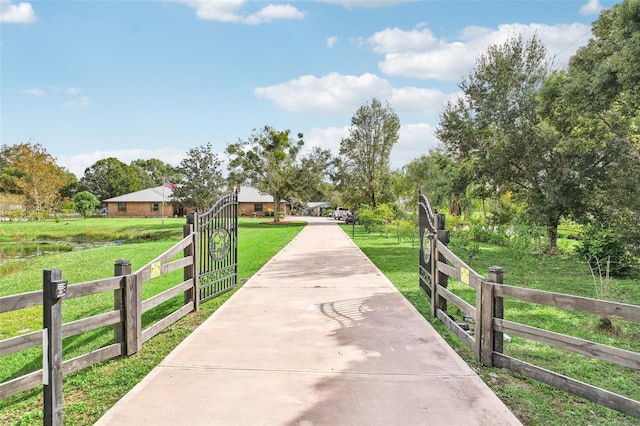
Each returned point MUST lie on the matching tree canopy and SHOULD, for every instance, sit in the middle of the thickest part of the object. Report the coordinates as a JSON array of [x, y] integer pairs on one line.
[[598, 97], [28, 169], [267, 160], [364, 154], [110, 177], [494, 130], [202, 182], [153, 172]]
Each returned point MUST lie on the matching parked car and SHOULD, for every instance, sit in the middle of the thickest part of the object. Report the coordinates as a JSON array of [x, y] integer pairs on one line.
[[352, 218], [340, 213]]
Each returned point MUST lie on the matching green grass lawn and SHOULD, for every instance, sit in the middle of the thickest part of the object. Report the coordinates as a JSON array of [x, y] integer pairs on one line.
[[532, 402], [90, 392]]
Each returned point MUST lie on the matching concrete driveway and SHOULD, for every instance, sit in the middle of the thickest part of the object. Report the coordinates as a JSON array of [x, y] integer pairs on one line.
[[317, 337]]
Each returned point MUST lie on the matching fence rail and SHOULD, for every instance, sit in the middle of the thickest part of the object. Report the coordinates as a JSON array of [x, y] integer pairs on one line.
[[488, 314], [125, 317]]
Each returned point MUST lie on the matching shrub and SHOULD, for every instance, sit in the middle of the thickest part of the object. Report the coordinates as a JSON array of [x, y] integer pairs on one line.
[[599, 244]]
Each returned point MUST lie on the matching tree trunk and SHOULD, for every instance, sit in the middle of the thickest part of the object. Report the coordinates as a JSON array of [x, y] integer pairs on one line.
[[552, 234]]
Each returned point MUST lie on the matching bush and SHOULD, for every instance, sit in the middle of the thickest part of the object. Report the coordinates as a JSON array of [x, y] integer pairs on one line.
[[601, 244]]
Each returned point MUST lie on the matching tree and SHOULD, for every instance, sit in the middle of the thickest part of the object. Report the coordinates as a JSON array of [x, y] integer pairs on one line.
[[28, 169], [494, 130], [598, 97], [267, 161], [312, 174], [85, 203], [109, 178], [202, 182], [153, 172], [364, 154]]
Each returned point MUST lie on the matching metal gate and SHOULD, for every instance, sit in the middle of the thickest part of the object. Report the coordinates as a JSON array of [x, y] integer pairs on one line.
[[217, 257], [427, 228]]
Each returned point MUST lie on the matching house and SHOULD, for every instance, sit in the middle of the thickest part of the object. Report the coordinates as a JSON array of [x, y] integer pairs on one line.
[[253, 203], [317, 208], [150, 202]]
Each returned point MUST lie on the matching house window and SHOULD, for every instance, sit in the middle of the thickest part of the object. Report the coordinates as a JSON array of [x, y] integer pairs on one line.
[[257, 207], [122, 207], [155, 207]]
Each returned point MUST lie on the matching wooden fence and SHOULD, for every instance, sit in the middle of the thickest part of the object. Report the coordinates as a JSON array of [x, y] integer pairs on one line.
[[125, 317], [490, 324]]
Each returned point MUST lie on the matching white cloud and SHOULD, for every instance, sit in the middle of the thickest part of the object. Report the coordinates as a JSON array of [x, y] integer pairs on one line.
[[328, 138], [331, 41], [328, 95], [21, 13], [272, 13], [35, 91], [418, 54], [414, 140], [348, 4], [77, 163], [79, 102], [72, 91], [336, 94], [592, 7], [231, 11]]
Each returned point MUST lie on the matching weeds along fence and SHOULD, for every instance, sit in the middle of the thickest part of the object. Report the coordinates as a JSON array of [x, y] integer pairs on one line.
[[125, 318], [438, 264]]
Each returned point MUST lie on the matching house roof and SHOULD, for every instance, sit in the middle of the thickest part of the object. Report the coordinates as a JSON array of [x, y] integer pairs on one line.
[[314, 204], [150, 195], [248, 194]]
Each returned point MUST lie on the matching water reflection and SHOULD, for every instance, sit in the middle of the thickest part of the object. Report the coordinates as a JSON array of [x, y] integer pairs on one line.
[[18, 251]]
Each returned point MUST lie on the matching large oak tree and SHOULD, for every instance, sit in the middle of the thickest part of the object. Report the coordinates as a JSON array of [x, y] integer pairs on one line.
[[494, 130], [267, 160]]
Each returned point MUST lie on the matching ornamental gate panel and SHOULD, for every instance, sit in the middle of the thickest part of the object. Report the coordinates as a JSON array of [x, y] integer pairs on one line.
[[217, 257], [428, 232]]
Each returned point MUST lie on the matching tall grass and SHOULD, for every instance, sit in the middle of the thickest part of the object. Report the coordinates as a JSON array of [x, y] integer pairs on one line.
[[532, 402]]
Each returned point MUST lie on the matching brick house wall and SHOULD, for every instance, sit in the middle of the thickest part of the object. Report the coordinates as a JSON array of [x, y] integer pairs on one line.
[[248, 209], [140, 209]]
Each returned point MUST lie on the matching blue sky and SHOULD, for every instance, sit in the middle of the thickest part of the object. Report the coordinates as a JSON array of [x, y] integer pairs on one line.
[[137, 79]]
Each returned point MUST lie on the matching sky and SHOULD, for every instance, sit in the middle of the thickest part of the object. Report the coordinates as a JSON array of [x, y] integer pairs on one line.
[[138, 79]]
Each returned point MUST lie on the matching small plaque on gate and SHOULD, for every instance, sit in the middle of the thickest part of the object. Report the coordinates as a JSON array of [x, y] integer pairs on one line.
[[464, 275], [156, 269]]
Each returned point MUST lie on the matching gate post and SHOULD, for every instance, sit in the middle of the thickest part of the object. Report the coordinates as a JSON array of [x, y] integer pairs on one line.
[[54, 288], [190, 273], [121, 268], [193, 223], [441, 279], [490, 307]]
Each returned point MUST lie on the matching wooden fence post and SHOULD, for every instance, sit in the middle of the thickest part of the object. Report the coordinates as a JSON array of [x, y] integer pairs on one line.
[[440, 278], [132, 314], [54, 288], [189, 272], [490, 307], [496, 275], [121, 268]]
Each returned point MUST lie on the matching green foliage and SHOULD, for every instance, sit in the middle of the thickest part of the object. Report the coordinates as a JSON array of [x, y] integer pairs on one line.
[[110, 177], [267, 160], [153, 172], [602, 245], [85, 203], [202, 182], [364, 175]]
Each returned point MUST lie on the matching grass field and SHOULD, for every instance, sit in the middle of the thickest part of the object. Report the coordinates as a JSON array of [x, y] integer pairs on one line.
[[532, 402], [89, 393]]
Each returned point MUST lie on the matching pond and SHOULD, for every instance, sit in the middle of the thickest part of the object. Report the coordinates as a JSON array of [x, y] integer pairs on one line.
[[18, 251]]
